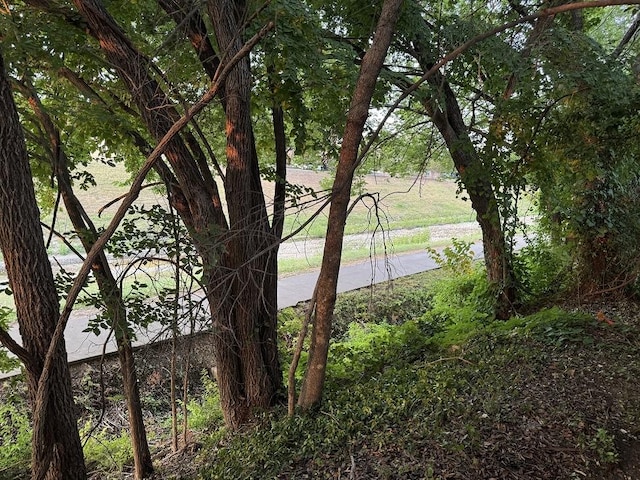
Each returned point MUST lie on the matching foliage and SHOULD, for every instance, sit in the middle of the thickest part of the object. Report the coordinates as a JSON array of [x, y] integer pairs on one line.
[[7, 363], [603, 444], [289, 325], [464, 299], [558, 327], [372, 347], [456, 258], [154, 236], [543, 270], [105, 452], [15, 437], [587, 168], [205, 413]]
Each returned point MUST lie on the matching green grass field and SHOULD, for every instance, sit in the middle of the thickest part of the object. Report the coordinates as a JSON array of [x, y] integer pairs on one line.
[[400, 204]]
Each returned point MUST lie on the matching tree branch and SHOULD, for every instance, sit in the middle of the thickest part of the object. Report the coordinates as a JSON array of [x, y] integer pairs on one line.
[[474, 41], [219, 78], [633, 29], [15, 348]]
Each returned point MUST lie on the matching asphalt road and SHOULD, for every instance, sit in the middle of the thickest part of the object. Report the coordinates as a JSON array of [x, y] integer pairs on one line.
[[291, 291]]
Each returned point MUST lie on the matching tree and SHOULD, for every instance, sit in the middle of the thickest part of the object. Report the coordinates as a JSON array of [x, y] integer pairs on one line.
[[586, 164], [57, 452], [239, 252], [325, 292], [497, 83], [110, 291]]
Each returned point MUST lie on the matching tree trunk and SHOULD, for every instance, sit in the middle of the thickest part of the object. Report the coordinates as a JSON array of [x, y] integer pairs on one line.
[[143, 465], [239, 268], [249, 373], [57, 453], [476, 179], [107, 285], [313, 383]]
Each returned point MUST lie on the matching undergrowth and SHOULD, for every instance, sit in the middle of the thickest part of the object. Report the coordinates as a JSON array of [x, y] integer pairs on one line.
[[404, 399], [423, 382]]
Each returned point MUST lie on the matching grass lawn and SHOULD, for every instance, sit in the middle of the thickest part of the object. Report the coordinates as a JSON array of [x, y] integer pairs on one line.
[[390, 203], [401, 202]]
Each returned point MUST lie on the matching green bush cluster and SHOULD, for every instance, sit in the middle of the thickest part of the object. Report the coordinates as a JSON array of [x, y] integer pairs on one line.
[[543, 270], [15, 438], [205, 412], [106, 452], [390, 304]]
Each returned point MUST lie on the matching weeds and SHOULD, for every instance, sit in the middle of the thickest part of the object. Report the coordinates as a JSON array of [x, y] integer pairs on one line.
[[15, 438], [439, 390]]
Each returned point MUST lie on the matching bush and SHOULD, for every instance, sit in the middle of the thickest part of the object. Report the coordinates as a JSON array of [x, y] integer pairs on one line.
[[393, 306], [542, 270], [370, 348], [108, 453], [463, 298], [205, 412], [15, 438]]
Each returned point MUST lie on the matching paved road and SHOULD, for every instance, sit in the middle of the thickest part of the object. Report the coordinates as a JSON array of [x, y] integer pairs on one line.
[[291, 290]]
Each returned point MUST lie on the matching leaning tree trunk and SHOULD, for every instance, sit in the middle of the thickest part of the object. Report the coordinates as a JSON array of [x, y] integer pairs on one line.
[[475, 177], [313, 383], [444, 110], [56, 450], [107, 285]]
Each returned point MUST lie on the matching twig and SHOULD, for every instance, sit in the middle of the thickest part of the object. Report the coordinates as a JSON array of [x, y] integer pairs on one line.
[[446, 359], [291, 386], [25, 357], [117, 199]]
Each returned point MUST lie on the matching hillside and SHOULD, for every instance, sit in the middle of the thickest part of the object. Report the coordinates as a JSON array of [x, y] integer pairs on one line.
[[420, 385], [551, 396]]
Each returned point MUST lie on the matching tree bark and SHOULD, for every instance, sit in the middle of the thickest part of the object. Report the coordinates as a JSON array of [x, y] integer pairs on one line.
[[313, 383], [445, 112], [57, 451], [249, 373], [239, 268], [107, 285]]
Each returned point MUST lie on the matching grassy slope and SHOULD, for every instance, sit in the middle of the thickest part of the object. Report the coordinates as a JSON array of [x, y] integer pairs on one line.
[[404, 202], [413, 395], [550, 396]]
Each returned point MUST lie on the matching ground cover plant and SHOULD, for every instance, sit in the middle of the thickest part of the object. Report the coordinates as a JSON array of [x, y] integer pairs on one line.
[[414, 391], [548, 395]]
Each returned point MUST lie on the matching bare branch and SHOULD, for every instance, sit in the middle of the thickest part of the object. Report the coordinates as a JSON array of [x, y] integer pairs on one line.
[[15, 348], [630, 33]]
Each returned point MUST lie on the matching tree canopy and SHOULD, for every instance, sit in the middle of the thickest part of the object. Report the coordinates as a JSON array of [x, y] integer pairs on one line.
[[208, 102]]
